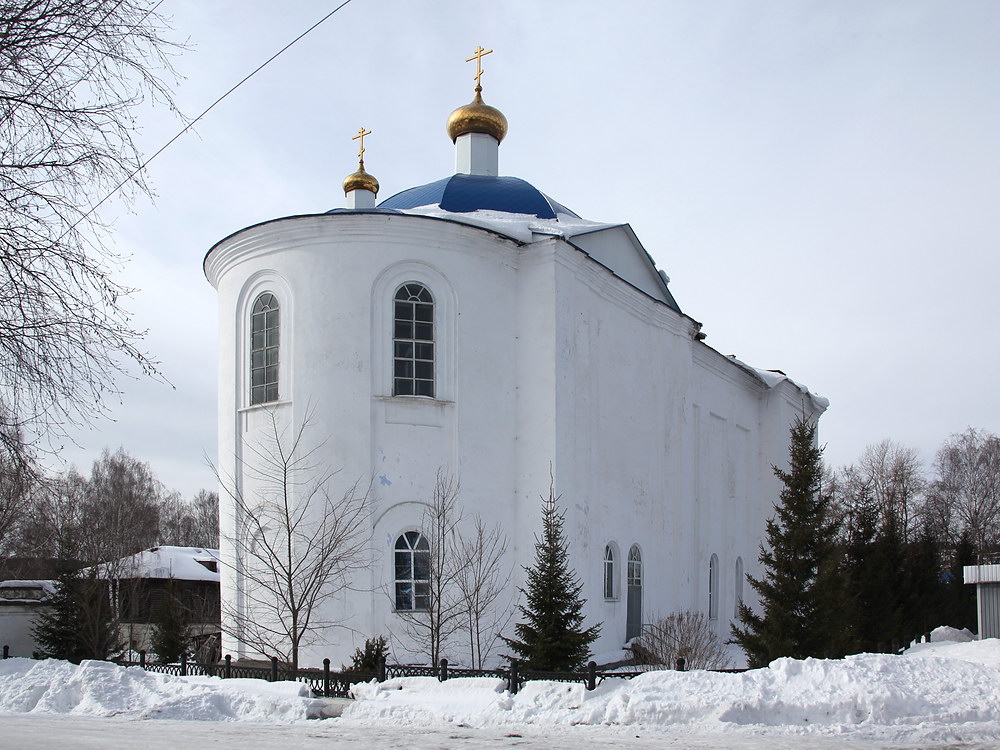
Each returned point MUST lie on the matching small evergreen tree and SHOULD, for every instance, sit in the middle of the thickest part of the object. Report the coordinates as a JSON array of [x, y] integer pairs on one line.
[[551, 638], [961, 607], [58, 629], [80, 624], [368, 661], [800, 594], [171, 636], [924, 590]]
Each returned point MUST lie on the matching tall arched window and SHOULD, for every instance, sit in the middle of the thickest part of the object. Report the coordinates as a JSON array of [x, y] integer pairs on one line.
[[634, 566], [713, 588], [633, 597], [739, 587], [609, 572], [412, 571], [264, 349], [413, 341]]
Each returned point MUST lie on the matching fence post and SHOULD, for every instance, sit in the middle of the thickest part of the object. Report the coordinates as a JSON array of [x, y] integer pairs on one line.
[[228, 672], [591, 675], [515, 681], [142, 659], [6, 651], [444, 670], [680, 664], [184, 664], [326, 678], [381, 670], [274, 669]]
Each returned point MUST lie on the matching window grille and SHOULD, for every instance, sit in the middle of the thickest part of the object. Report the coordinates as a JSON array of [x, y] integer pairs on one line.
[[634, 566], [264, 350], [609, 572], [739, 587], [713, 588], [412, 564], [413, 341]]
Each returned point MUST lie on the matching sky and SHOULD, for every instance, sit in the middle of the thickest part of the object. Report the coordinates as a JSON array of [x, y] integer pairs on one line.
[[819, 180]]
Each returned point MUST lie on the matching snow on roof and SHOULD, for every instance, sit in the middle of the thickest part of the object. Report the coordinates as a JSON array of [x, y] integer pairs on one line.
[[774, 378], [16, 590], [181, 563], [464, 193], [506, 205], [520, 227]]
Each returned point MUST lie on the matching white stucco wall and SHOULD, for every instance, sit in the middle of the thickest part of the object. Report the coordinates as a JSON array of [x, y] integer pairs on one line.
[[16, 623], [548, 365]]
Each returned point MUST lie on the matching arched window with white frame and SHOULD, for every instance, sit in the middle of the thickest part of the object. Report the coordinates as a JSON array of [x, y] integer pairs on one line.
[[264, 349], [713, 588], [413, 341], [633, 594], [738, 587], [412, 564], [609, 572]]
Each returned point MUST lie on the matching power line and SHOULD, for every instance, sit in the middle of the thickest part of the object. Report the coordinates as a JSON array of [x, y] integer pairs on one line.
[[208, 109]]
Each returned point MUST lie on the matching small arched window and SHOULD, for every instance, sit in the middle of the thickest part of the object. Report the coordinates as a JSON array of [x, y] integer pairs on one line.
[[713, 588], [413, 341], [739, 587], [634, 566], [609, 572], [264, 349], [412, 560]]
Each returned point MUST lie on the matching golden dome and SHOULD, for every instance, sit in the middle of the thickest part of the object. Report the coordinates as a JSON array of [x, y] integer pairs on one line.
[[360, 180], [477, 117]]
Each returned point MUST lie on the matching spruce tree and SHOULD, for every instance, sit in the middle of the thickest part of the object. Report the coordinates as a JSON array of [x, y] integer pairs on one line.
[[171, 636], [58, 630], [962, 609], [550, 637], [800, 594]]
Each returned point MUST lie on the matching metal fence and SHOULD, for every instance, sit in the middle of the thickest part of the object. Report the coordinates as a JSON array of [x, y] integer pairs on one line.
[[327, 683]]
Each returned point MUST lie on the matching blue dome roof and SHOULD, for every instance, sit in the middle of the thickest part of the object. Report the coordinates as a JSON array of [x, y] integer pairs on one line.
[[463, 193]]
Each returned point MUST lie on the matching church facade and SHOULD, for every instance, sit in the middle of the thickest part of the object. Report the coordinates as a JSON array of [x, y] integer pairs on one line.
[[476, 329]]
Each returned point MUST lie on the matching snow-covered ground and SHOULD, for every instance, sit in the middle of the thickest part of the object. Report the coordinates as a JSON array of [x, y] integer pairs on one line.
[[940, 695]]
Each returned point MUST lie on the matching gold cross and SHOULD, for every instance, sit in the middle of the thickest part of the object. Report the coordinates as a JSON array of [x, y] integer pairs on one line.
[[361, 134], [478, 57]]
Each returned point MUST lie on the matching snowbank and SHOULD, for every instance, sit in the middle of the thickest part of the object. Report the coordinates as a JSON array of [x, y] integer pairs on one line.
[[937, 692], [951, 694], [97, 688]]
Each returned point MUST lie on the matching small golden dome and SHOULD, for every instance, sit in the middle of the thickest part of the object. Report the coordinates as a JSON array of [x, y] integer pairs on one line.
[[360, 180], [477, 117]]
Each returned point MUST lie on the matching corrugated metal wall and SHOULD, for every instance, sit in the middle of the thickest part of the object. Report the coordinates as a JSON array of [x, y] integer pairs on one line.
[[988, 595]]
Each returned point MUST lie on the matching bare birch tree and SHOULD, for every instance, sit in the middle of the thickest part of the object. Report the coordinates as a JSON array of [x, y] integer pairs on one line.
[[432, 628], [296, 542], [19, 480], [72, 75], [467, 580], [887, 480], [484, 581], [965, 496], [190, 524]]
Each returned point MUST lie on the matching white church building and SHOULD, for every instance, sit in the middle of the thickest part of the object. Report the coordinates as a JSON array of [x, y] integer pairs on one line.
[[476, 327]]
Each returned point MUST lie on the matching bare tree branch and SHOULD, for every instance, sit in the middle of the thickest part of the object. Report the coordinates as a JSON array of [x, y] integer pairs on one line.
[[72, 73], [295, 544]]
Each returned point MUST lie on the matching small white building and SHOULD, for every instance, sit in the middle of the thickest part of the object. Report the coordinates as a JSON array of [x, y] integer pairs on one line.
[[474, 325], [21, 602], [140, 582], [986, 578]]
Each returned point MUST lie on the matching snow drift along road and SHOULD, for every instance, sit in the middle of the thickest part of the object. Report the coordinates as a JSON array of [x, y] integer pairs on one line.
[[937, 692], [97, 688]]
